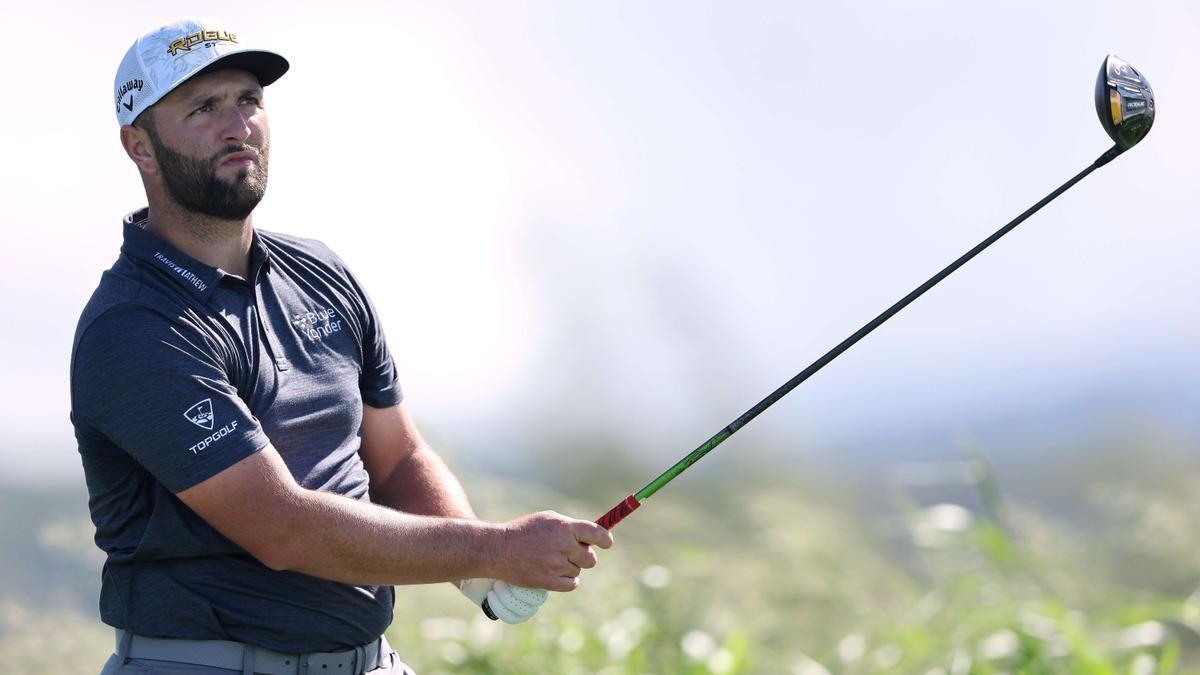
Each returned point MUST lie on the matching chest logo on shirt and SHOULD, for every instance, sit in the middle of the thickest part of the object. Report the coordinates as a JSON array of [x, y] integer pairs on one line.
[[201, 414], [318, 323]]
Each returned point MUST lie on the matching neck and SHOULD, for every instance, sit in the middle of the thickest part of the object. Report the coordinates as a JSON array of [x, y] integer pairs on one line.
[[224, 244]]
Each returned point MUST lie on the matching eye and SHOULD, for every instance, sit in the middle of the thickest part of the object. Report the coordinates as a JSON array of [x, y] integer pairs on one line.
[[252, 99], [203, 108]]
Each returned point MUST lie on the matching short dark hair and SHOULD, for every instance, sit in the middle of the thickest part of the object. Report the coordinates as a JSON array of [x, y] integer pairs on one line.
[[145, 120]]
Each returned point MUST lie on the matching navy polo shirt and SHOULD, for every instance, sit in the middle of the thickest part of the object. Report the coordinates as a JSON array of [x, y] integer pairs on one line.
[[180, 370]]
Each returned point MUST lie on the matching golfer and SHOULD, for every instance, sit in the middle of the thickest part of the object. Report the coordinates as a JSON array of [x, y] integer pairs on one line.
[[254, 477]]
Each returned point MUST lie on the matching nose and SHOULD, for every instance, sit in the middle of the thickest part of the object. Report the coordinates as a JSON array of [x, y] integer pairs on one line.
[[236, 128]]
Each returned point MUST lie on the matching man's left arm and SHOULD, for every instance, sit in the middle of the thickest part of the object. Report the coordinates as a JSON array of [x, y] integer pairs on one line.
[[405, 473]]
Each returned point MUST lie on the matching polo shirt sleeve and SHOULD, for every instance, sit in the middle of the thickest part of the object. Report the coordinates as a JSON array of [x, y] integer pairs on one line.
[[379, 384], [378, 381], [157, 387]]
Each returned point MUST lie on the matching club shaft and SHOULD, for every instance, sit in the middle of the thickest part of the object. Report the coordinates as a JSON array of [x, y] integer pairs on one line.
[[621, 510]]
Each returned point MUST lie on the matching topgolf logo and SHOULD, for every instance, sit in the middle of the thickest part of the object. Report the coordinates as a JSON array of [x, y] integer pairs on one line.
[[201, 414]]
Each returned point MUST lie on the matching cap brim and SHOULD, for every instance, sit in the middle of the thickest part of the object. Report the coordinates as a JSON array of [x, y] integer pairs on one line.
[[264, 65]]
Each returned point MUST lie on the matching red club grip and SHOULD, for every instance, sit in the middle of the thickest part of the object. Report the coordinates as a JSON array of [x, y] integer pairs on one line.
[[617, 513]]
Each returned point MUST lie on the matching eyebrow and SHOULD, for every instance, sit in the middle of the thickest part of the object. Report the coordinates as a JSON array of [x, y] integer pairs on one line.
[[203, 99]]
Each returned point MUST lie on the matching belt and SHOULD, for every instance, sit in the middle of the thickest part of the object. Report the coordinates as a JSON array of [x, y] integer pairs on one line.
[[250, 659]]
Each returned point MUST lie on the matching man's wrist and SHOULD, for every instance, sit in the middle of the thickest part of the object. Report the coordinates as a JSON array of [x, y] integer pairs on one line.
[[484, 546]]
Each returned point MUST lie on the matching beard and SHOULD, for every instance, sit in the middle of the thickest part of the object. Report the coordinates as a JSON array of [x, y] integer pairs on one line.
[[193, 182]]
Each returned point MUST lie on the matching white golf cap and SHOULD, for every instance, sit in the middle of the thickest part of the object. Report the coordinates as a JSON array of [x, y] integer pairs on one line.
[[168, 56]]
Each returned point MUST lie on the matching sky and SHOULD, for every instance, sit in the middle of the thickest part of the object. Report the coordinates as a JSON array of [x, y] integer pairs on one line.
[[630, 221]]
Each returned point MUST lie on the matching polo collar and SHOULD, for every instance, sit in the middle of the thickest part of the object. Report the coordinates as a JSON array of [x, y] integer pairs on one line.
[[190, 274], [260, 257]]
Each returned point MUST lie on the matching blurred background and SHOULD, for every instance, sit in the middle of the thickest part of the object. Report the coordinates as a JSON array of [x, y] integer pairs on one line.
[[598, 232]]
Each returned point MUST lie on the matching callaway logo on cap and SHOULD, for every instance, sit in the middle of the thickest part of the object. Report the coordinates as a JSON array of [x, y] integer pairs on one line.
[[167, 57]]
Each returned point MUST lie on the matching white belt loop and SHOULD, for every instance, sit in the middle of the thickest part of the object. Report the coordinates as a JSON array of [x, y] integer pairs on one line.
[[360, 660], [125, 639], [248, 660]]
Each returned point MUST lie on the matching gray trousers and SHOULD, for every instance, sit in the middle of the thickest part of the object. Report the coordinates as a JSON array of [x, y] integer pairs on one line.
[[120, 664]]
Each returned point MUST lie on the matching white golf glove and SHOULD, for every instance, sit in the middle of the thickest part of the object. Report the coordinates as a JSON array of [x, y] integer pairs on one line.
[[502, 600]]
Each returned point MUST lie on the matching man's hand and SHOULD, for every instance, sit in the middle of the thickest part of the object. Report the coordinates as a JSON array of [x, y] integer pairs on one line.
[[548, 550], [541, 550], [501, 600]]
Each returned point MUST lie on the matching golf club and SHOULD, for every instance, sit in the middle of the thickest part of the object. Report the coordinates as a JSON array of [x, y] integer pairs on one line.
[[1125, 104]]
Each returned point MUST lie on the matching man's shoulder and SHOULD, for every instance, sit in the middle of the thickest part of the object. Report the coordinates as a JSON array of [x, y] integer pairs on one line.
[[121, 285], [113, 324], [126, 303], [294, 246]]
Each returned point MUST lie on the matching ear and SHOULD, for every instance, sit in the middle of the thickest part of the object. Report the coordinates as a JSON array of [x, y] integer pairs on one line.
[[137, 145]]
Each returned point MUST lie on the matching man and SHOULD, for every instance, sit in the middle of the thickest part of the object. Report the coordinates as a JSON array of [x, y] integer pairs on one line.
[[254, 478]]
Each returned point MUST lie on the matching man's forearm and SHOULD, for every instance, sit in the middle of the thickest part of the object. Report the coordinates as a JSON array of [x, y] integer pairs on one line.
[[342, 539], [351, 541], [258, 504], [423, 484]]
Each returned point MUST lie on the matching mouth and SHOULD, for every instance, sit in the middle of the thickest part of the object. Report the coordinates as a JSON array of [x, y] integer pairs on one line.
[[243, 158]]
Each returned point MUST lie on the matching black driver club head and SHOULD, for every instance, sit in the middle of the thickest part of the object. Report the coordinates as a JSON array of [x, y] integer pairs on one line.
[[1124, 102]]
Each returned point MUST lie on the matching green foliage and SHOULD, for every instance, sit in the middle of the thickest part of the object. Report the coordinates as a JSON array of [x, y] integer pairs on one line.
[[732, 571], [781, 579]]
